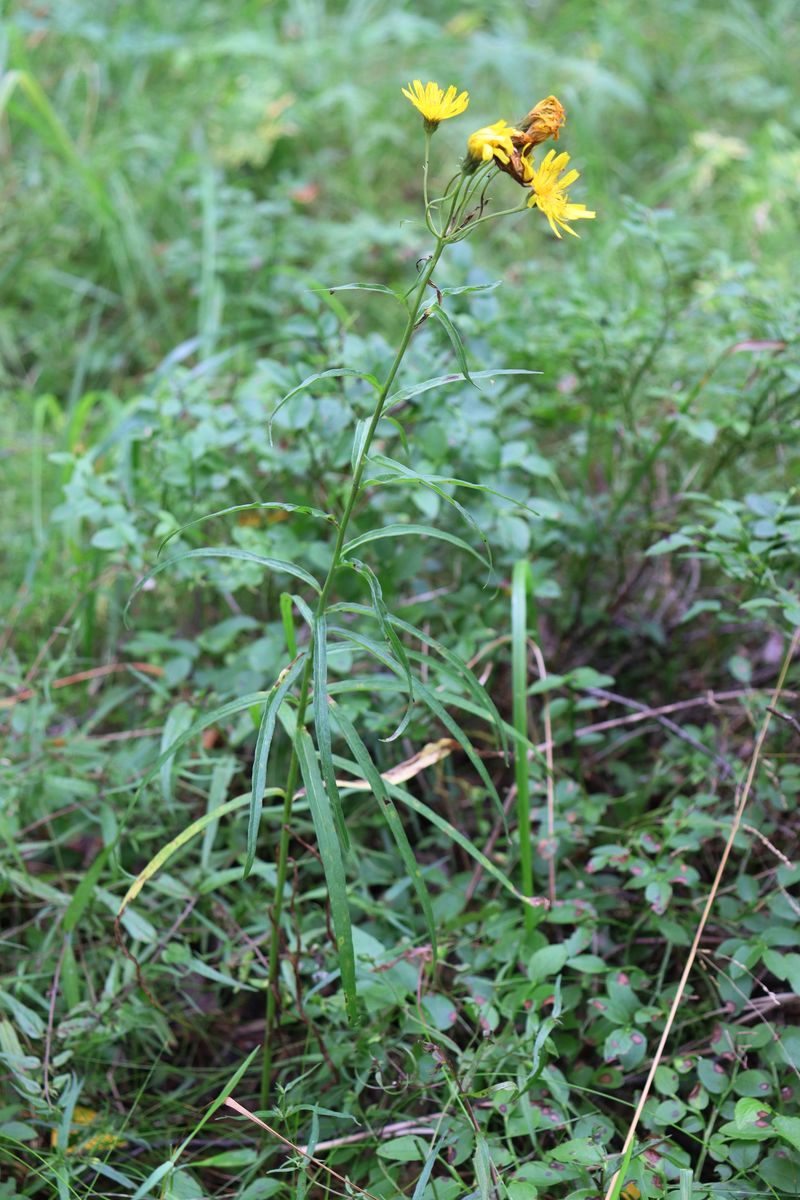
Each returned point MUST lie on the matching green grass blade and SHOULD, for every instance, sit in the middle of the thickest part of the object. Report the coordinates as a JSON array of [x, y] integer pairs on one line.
[[373, 777], [332, 864]]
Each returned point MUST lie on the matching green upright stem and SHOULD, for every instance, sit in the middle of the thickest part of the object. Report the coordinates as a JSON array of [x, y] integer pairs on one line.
[[305, 681]]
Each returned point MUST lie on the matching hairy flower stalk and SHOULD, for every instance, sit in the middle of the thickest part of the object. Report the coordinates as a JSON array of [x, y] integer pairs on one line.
[[449, 218]]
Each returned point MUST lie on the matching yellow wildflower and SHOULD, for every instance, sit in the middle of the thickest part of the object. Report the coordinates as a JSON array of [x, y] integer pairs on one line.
[[542, 122], [435, 104], [549, 193], [493, 141]]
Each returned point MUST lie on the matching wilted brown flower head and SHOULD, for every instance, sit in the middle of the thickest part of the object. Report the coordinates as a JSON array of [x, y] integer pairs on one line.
[[542, 122]]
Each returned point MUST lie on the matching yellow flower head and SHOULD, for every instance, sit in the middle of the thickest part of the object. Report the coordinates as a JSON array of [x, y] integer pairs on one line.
[[543, 121], [549, 193], [434, 104], [493, 141]]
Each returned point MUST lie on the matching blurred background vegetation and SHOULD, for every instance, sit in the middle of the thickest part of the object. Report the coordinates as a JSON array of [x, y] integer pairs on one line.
[[180, 185]]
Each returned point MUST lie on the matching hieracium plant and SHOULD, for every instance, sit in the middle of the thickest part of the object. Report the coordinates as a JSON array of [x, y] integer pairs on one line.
[[300, 699]]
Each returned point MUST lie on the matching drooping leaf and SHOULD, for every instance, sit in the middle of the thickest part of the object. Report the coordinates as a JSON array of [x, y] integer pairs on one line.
[[439, 314], [266, 731], [416, 389], [330, 852], [393, 531], [380, 611], [390, 815], [322, 726], [274, 564], [235, 508], [310, 380]]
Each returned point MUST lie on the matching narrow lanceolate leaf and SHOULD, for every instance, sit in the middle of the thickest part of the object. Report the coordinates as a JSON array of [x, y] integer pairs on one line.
[[367, 287], [416, 389], [443, 825], [310, 380], [186, 835], [417, 480], [400, 469], [179, 720], [266, 731], [216, 716], [235, 508], [393, 641], [436, 311], [288, 623], [379, 790], [274, 564], [457, 665], [332, 863], [393, 531], [322, 725], [429, 697]]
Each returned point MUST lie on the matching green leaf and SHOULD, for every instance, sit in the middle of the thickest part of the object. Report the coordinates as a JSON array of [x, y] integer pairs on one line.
[[322, 725], [393, 531], [466, 288], [403, 1149], [675, 541], [234, 508], [416, 389], [266, 731], [333, 866], [789, 1129], [436, 311], [546, 962], [310, 380], [582, 1151], [380, 611], [85, 890], [366, 287], [373, 777], [274, 564]]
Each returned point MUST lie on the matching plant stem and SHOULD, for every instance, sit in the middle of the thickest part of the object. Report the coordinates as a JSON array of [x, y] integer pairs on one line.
[[305, 681]]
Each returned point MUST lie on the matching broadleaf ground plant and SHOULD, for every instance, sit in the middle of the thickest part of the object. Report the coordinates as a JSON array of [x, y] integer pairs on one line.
[[584, 643]]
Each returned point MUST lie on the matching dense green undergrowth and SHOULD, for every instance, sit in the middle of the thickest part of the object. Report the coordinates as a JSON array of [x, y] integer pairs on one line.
[[182, 186]]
